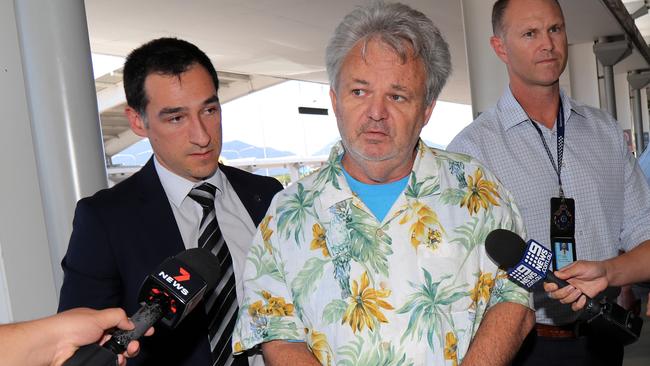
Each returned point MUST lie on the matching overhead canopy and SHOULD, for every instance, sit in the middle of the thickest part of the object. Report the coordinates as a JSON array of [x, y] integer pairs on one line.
[[256, 43]]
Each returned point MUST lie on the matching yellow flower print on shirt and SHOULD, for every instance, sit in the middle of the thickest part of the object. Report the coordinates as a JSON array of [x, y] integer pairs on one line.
[[319, 346], [480, 193], [266, 233], [364, 305], [275, 306], [451, 345], [482, 288], [238, 347], [426, 228], [318, 242]]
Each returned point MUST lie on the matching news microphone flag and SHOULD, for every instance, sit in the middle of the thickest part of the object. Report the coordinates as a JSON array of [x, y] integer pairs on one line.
[[533, 266]]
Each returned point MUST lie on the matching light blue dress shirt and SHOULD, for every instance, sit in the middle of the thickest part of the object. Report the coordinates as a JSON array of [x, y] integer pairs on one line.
[[644, 162], [611, 195]]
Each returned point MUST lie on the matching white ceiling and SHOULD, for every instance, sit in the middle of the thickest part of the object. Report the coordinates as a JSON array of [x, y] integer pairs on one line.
[[281, 38]]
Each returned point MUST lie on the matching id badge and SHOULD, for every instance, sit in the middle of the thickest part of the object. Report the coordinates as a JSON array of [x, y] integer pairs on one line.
[[563, 217], [563, 244], [564, 252]]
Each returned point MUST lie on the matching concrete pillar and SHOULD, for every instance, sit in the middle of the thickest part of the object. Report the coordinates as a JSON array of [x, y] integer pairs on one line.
[[27, 287], [488, 76], [583, 70], [62, 102]]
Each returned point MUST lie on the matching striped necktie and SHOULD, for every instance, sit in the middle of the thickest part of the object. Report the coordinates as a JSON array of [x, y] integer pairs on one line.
[[221, 305]]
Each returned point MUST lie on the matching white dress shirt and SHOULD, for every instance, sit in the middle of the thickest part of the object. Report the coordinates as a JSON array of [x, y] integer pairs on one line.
[[235, 223]]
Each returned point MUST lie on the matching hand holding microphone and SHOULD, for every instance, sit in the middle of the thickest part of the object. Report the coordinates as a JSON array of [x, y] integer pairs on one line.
[[52, 340], [528, 263], [167, 295], [586, 277]]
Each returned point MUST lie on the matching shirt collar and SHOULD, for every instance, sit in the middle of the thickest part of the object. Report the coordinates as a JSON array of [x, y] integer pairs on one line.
[[177, 187], [510, 112]]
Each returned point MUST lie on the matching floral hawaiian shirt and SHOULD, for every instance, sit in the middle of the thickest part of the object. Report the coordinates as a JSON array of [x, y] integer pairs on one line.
[[410, 290]]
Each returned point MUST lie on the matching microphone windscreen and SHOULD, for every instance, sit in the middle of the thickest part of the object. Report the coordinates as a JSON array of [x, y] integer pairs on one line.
[[203, 263], [505, 247]]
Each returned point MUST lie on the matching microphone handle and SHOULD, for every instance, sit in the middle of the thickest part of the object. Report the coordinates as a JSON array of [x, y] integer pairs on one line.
[[143, 319], [591, 307], [550, 276]]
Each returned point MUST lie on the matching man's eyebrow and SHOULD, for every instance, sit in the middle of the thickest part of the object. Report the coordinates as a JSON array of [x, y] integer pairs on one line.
[[360, 81], [170, 110], [399, 87], [212, 99]]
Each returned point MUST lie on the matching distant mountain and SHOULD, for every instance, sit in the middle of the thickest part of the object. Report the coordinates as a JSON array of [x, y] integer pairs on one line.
[[238, 150]]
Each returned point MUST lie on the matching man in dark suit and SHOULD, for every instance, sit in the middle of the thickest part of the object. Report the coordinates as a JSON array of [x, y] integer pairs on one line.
[[122, 234]]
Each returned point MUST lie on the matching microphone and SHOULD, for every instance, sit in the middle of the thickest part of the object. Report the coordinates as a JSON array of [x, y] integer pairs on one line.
[[529, 263], [167, 295]]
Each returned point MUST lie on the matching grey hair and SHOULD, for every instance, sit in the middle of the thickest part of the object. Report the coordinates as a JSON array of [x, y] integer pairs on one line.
[[393, 24]]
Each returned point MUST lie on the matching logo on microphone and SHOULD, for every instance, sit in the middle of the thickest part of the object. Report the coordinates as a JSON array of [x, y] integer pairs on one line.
[[533, 266], [184, 276], [175, 282], [538, 257]]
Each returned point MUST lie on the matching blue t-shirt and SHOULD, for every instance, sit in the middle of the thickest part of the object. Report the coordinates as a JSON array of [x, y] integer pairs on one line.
[[379, 198]]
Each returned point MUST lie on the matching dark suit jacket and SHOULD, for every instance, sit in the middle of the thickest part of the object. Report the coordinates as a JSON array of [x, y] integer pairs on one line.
[[120, 235]]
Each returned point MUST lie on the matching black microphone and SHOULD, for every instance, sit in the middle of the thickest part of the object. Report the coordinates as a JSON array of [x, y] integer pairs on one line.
[[167, 295], [529, 263]]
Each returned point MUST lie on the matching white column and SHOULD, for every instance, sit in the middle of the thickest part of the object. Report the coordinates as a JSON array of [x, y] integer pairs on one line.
[[487, 74], [583, 68], [62, 101], [27, 287]]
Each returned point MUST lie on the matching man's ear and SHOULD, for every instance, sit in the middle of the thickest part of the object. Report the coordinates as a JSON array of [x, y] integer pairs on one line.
[[499, 48], [136, 122]]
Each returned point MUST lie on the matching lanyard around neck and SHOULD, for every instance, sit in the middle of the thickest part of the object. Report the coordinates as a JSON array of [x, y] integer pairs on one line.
[[560, 145]]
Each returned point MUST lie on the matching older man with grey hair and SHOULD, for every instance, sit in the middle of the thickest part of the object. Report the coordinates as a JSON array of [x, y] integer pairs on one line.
[[379, 257]]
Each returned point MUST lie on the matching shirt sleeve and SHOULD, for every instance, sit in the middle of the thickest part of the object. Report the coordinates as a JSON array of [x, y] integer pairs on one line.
[[267, 312], [644, 162]]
